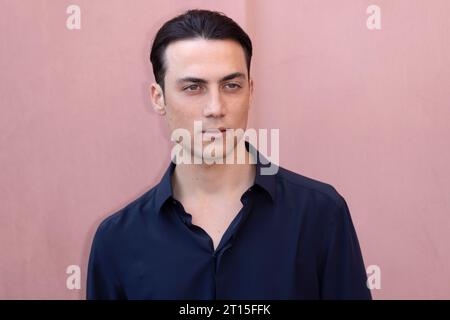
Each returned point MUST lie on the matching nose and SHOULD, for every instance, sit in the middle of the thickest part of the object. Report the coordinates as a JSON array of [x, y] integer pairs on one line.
[[215, 107]]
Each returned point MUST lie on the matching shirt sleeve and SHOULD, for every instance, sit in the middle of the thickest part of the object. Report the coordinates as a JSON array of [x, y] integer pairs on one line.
[[102, 283], [344, 275]]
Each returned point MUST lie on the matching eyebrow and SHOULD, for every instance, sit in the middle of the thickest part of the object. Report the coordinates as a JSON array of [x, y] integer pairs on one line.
[[199, 80]]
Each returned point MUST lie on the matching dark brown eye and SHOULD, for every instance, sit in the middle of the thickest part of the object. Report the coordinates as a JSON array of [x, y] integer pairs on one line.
[[193, 87], [232, 86]]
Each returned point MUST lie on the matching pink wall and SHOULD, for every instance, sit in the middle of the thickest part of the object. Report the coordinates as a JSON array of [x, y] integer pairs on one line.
[[365, 110]]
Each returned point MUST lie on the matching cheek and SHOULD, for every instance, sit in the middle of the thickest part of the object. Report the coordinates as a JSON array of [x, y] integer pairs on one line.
[[240, 107], [181, 116]]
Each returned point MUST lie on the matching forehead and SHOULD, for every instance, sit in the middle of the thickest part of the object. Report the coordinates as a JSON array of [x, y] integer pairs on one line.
[[195, 57]]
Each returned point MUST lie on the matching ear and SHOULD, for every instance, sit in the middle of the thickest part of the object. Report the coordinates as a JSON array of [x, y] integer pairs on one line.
[[157, 97]]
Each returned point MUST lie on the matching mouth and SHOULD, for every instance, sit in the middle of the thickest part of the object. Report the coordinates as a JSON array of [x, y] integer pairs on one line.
[[214, 133], [215, 130]]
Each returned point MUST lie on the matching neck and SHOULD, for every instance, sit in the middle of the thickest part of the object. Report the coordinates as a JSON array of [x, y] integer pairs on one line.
[[214, 180]]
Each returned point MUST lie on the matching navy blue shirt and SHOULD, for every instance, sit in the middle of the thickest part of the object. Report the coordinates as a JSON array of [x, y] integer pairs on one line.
[[292, 239]]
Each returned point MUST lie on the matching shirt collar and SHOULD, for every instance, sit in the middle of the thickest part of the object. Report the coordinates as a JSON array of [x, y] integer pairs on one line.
[[164, 190]]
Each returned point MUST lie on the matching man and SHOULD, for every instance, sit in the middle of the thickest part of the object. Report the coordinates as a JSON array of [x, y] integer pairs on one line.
[[222, 231]]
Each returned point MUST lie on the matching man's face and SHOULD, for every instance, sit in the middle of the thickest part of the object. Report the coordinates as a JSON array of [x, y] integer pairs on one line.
[[207, 81]]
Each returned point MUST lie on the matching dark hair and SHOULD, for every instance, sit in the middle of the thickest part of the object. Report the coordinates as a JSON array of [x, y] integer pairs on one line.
[[196, 24]]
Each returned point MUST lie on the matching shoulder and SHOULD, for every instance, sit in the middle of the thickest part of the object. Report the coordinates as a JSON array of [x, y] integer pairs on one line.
[[316, 202], [304, 188], [128, 218]]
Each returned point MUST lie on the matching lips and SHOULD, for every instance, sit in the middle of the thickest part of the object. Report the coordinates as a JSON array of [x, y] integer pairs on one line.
[[214, 130]]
